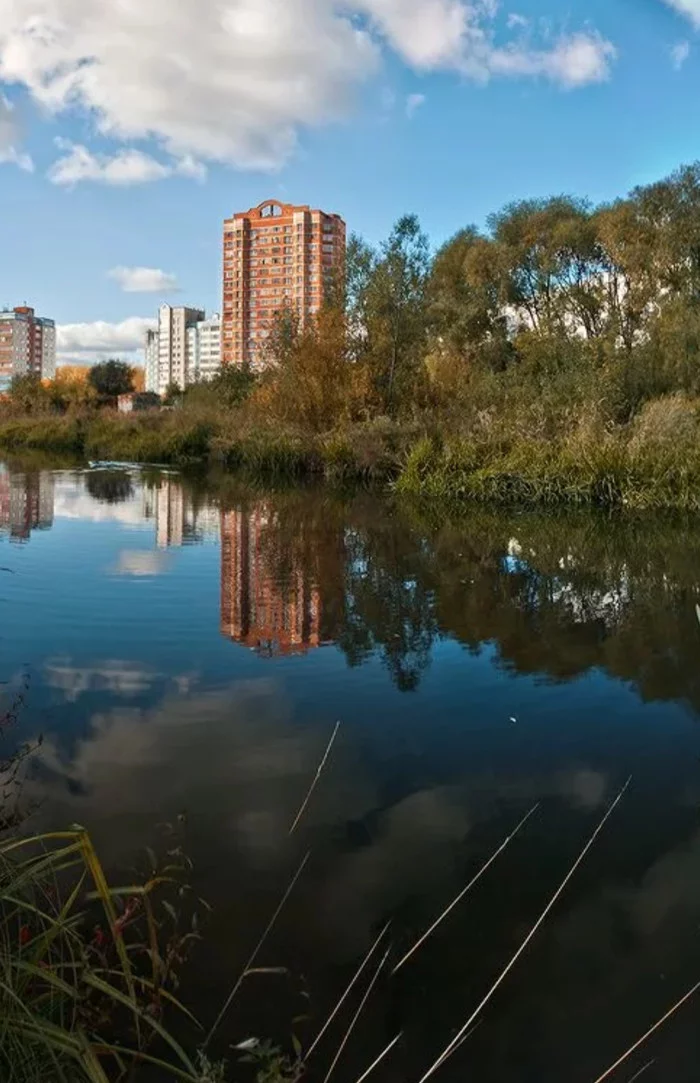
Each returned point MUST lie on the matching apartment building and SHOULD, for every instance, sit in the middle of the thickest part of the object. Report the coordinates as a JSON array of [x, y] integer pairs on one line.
[[204, 349], [27, 345], [275, 256], [185, 347], [173, 324], [150, 353]]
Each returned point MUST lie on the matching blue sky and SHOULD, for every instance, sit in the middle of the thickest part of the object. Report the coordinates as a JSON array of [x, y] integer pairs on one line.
[[128, 131]]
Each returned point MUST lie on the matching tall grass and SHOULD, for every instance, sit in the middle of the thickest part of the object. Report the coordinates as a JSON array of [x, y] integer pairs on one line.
[[77, 1002], [517, 450]]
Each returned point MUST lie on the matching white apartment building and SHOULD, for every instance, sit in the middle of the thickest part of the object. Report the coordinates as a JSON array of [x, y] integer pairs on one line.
[[185, 348], [204, 349], [151, 360]]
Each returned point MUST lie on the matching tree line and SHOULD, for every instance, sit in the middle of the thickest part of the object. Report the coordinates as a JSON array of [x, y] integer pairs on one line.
[[592, 299]]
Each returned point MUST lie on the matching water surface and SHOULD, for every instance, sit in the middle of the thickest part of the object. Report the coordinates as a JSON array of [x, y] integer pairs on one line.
[[190, 645]]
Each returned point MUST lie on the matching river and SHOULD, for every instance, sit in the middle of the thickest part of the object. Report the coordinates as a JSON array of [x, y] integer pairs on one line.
[[188, 646]]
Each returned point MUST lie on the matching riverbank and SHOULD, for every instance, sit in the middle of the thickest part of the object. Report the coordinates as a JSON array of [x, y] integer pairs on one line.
[[653, 467]]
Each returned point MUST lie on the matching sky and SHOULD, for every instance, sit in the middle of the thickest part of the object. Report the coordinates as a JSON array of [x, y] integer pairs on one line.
[[129, 130]]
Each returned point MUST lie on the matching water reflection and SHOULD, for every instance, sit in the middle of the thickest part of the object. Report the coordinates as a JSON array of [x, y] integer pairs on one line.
[[159, 595], [557, 596], [271, 613], [26, 503]]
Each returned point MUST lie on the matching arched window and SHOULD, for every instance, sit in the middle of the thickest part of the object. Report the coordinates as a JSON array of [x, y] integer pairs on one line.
[[271, 210]]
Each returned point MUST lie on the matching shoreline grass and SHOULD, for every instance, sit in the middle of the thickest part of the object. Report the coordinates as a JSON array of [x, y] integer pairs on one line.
[[613, 469]]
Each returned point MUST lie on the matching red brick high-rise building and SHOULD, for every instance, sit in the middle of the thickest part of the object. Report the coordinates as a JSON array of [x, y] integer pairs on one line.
[[276, 256]]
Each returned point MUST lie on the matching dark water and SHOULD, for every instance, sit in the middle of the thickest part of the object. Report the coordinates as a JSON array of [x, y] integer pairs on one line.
[[190, 646]]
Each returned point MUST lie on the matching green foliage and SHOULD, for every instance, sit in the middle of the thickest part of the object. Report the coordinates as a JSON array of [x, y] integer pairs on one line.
[[86, 971], [109, 379], [547, 357], [28, 394]]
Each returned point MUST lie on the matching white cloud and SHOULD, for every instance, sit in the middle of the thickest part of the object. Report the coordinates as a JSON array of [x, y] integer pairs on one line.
[[9, 135], [414, 102], [126, 167], [144, 280], [517, 22], [573, 62], [234, 81], [679, 54], [86, 341], [689, 8]]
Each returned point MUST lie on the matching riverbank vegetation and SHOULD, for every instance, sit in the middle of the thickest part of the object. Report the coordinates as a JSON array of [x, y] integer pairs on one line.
[[552, 357]]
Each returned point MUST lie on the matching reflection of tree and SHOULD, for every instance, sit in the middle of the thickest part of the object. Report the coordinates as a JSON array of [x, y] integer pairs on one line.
[[109, 486], [555, 595], [389, 601], [372, 597]]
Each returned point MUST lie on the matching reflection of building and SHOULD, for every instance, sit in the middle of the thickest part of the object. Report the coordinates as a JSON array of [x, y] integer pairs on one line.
[[177, 520], [258, 609], [26, 503]]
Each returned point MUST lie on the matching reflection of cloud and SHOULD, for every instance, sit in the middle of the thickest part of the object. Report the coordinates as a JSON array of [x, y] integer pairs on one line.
[[234, 760], [71, 501], [141, 562], [120, 678]]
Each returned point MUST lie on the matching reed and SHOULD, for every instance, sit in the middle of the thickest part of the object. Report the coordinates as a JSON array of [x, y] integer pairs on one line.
[[454, 1044], [69, 991]]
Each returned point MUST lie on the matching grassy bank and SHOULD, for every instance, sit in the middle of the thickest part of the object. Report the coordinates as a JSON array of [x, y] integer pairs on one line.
[[372, 451], [653, 463]]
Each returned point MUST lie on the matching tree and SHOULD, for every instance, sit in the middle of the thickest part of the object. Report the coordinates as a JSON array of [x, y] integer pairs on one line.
[[173, 393], [392, 304], [465, 312], [110, 379], [29, 394], [548, 260]]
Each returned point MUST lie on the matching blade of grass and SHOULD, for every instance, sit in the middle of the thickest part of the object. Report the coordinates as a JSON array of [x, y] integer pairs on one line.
[[357, 1014], [633, 1048], [465, 890], [381, 1057], [348, 990], [146, 984], [642, 1070], [256, 949], [115, 994], [451, 1046], [312, 787], [99, 879]]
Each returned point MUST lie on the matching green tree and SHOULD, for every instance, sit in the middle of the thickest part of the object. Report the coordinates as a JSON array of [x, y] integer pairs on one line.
[[173, 393], [28, 394], [111, 379], [465, 313], [392, 306], [547, 258]]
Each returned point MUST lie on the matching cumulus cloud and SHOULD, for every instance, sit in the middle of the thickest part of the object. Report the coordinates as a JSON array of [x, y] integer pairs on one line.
[[144, 280], [9, 136], [689, 8], [572, 62], [126, 167], [414, 102], [101, 339], [679, 54], [234, 81]]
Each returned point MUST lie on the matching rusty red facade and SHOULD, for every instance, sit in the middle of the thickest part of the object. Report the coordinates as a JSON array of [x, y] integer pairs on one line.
[[276, 256]]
